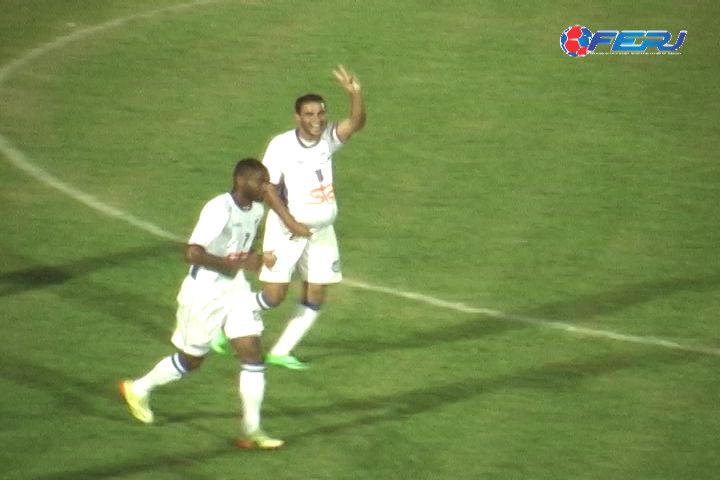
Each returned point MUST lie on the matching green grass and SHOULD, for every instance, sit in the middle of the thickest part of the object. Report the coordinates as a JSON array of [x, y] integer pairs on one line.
[[494, 171]]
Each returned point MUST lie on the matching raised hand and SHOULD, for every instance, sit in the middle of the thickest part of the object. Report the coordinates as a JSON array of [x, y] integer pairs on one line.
[[347, 80]]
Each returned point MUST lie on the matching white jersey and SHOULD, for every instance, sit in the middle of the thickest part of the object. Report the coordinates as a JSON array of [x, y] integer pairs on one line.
[[305, 175], [224, 228]]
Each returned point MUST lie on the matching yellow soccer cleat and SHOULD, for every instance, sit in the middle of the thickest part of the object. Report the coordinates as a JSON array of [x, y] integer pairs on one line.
[[260, 441], [139, 405]]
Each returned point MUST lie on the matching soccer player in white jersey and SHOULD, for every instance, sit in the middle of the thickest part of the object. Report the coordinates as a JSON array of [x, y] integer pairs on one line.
[[299, 226], [216, 295]]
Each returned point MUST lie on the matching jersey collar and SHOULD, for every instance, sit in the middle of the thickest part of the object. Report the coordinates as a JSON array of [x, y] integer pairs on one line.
[[302, 142], [244, 209]]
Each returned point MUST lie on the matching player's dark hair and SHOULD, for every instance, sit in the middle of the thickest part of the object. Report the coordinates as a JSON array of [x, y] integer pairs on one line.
[[308, 98], [247, 166]]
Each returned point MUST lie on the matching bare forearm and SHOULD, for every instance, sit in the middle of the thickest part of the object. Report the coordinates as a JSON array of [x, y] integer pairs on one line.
[[197, 255], [358, 115], [273, 200]]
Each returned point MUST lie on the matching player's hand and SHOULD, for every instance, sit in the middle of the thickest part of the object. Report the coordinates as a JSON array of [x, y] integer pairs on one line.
[[298, 229], [235, 262], [251, 261], [347, 80], [269, 259]]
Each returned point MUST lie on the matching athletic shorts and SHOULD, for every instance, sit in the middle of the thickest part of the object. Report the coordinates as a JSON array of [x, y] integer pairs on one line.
[[315, 259], [203, 310]]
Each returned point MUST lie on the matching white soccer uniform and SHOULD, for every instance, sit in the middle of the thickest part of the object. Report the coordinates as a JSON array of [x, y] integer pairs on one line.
[[305, 176], [209, 300]]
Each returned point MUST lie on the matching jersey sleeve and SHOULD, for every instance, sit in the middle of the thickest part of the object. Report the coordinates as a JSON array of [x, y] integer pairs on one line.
[[273, 161], [210, 225], [332, 139]]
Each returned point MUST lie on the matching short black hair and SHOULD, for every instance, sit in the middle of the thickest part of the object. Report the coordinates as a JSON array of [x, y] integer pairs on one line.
[[308, 98], [247, 166]]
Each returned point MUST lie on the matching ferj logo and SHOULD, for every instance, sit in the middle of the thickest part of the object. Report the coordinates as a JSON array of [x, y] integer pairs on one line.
[[579, 41]]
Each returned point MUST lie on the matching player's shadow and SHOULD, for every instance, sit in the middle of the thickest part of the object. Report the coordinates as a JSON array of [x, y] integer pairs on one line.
[[43, 275], [372, 411], [552, 376], [122, 305], [555, 376], [156, 319], [73, 396], [475, 327], [147, 463], [605, 303], [577, 309]]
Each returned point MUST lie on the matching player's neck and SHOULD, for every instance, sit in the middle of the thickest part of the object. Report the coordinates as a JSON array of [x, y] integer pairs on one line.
[[305, 139]]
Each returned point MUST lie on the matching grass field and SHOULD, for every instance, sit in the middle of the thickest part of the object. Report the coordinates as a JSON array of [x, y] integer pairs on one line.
[[495, 173]]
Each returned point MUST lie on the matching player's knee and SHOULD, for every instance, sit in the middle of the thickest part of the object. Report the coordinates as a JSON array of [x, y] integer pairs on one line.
[[248, 349], [273, 295], [190, 362], [315, 294]]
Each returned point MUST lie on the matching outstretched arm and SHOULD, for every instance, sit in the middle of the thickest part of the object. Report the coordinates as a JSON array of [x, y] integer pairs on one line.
[[349, 82]]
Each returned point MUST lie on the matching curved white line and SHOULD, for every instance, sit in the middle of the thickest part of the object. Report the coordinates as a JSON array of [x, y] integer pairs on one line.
[[10, 67], [20, 160]]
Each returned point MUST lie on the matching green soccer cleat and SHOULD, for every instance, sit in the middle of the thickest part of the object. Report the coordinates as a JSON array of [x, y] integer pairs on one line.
[[139, 405], [287, 361], [220, 343], [260, 441]]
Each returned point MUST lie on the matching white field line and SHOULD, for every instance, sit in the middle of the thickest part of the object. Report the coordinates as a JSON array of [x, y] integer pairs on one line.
[[563, 326], [21, 161], [59, 42]]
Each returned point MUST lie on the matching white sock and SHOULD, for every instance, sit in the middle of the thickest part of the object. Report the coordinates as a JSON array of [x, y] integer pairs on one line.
[[295, 330], [168, 370], [262, 301], [252, 391]]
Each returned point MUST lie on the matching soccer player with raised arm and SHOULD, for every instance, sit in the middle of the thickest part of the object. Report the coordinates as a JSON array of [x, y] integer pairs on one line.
[[299, 226]]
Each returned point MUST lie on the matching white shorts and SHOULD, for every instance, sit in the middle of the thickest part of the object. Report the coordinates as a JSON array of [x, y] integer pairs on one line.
[[316, 259], [203, 310]]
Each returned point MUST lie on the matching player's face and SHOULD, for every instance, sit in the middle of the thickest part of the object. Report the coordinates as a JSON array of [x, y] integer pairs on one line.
[[255, 185], [311, 120]]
